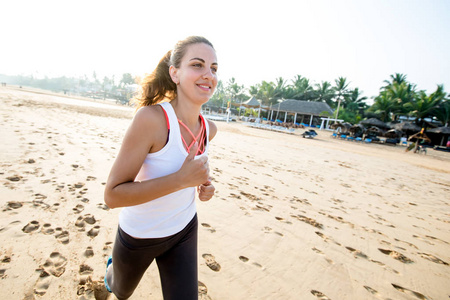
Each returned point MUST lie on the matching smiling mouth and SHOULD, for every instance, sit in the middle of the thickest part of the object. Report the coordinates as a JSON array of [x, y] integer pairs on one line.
[[204, 87]]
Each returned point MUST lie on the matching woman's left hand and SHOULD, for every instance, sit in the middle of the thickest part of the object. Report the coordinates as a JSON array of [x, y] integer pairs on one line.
[[206, 191]]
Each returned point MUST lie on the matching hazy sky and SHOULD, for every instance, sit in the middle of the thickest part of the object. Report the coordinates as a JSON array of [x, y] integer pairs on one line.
[[363, 40]]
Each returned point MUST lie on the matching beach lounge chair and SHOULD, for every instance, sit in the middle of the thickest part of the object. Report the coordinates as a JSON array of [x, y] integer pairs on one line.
[[310, 134], [368, 140], [334, 135], [358, 139]]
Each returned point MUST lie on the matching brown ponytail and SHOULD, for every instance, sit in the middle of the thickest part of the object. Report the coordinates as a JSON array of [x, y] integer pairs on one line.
[[158, 86]]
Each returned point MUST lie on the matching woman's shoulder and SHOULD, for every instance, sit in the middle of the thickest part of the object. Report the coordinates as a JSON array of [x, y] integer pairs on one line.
[[151, 115], [212, 129]]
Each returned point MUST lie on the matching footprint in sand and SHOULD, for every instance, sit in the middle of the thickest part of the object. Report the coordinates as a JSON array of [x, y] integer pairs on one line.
[[409, 292], [54, 266], [42, 284], [357, 253], [54, 207], [13, 205], [94, 231], [373, 291], [62, 235], [211, 262], [283, 220], [246, 259], [330, 261], [79, 208], [82, 220], [309, 221], [206, 225], [47, 229], [2, 273], [85, 271], [319, 295], [102, 206], [89, 252], [80, 223], [30, 227], [433, 258], [9, 225], [326, 238], [203, 291], [14, 178], [243, 258], [396, 255], [5, 260], [88, 289], [90, 178]]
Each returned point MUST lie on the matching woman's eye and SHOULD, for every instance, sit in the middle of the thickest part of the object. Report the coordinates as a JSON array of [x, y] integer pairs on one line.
[[214, 69], [197, 65]]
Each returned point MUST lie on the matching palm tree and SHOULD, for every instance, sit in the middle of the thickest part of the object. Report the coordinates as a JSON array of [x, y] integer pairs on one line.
[[219, 96], [301, 89], [280, 88], [442, 113], [382, 105], [354, 102], [341, 90], [253, 90], [424, 104], [324, 92], [401, 94], [267, 92], [396, 78], [234, 89]]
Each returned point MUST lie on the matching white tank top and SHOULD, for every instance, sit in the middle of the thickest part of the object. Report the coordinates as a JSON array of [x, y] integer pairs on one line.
[[169, 214]]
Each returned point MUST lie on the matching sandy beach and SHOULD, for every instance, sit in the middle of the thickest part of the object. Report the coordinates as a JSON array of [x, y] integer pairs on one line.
[[292, 218]]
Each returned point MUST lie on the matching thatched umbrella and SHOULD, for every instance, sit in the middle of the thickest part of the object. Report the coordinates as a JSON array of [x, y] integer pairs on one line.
[[441, 130], [393, 134], [416, 139], [344, 127], [406, 127], [252, 102], [374, 122], [377, 131], [444, 131], [357, 128]]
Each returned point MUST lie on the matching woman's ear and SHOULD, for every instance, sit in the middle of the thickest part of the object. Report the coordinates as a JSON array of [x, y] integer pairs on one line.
[[174, 74]]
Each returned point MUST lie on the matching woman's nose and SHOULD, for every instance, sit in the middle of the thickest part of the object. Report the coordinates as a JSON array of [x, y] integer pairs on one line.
[[208, 74]]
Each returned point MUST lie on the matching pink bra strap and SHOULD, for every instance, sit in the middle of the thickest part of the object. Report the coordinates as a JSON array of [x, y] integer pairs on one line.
[[200, 137]]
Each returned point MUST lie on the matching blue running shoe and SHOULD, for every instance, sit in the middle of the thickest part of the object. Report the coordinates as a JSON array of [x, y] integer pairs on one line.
[[107, 265]]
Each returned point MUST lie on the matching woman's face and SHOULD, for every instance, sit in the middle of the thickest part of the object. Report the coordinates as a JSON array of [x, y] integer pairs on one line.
[[197, 74]]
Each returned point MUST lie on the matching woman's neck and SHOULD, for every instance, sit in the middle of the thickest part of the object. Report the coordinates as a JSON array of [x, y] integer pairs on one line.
[[186, 112]]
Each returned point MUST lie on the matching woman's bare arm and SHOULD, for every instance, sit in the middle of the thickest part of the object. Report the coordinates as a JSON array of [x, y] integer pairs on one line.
[[144, 133]]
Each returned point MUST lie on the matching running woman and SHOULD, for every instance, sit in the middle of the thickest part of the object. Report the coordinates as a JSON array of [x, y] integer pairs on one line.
[[160, 167]]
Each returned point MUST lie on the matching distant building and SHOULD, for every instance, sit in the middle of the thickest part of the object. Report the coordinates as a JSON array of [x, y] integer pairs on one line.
[[299, 111]]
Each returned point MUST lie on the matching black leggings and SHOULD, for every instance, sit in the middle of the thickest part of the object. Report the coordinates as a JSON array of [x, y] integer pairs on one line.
[[176, 257]]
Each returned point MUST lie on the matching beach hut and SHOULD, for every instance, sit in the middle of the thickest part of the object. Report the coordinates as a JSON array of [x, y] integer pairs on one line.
[[302, 111], [374, 122]]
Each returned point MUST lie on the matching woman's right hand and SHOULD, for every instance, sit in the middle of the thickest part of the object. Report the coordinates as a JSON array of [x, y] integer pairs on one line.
[[194, 172]]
